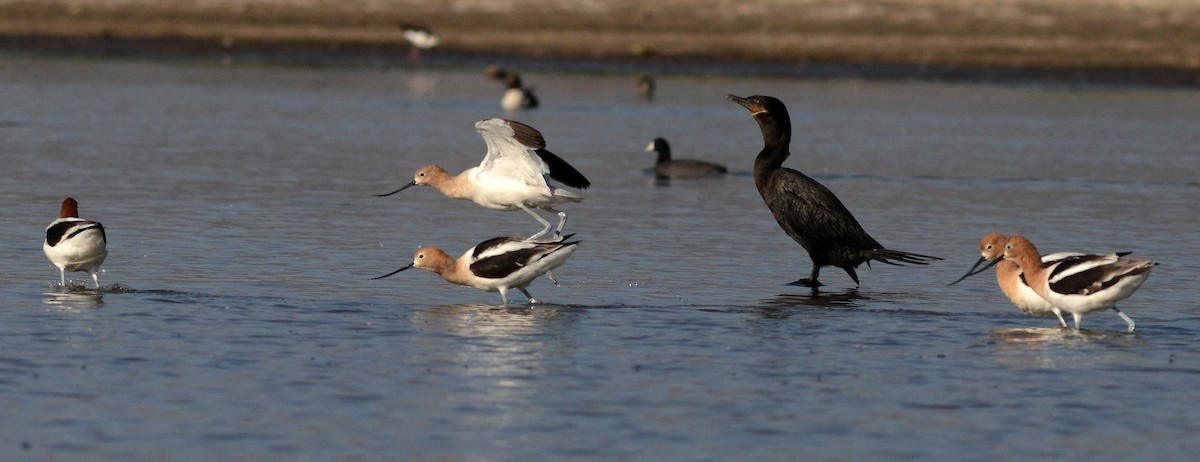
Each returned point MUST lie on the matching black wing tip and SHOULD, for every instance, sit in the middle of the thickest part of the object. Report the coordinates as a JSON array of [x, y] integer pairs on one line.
[[563, 172]]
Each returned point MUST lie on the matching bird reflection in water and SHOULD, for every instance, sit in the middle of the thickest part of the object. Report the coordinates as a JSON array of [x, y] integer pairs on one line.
[[817, 299], [419, 84], [1043, 347], [497, 348], [74, 301], [483, 320], [1039, 337]]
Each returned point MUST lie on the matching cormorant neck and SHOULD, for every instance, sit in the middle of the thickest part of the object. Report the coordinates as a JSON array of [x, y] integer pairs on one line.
[[777, 135], [776, 130]]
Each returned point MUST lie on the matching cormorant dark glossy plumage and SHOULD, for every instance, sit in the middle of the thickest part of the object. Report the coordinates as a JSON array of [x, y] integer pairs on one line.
[[808, 211]]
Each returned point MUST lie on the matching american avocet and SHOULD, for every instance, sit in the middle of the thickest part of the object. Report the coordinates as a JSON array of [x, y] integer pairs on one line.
[[517, 97], [497, 264], [418, 38], [665, 167], [514, 174], [808, 211], [75, 244], [1080, 284], [1010, 279]]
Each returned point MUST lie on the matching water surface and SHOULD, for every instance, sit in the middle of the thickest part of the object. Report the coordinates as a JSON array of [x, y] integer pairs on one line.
[[239, 321]]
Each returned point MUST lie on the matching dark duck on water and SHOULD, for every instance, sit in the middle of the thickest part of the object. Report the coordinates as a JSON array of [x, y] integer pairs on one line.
[[808, 211]]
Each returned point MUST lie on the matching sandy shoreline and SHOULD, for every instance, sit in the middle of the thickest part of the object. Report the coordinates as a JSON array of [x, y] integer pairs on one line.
[[1147, 41]]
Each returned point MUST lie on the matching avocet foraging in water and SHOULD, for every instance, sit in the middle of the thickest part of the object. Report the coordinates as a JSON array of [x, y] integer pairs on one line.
[[497, 264], [1082, 284], [1012, 281], [75, 244]]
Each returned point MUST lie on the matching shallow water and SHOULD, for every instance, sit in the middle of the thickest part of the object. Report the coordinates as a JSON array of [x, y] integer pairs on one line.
[[238, 321]]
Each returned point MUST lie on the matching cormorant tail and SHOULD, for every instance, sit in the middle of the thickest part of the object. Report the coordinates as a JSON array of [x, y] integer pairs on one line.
[[897, 257]]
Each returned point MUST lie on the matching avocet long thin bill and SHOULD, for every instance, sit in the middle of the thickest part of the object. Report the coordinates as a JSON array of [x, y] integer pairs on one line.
[[497, 264], [515, 174], [1079, 284]]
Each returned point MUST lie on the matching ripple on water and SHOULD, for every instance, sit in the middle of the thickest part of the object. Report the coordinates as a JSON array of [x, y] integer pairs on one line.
[[238, 316]]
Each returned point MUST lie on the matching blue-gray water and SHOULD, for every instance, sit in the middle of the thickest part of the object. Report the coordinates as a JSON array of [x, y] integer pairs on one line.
[[239, 322]]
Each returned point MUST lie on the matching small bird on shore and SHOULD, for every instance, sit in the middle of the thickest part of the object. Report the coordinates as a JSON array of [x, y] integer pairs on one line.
[[516, 96], [496, 72], [808, 211], [75, 244], [646, 87], [667, 168], [497, 264], [1080, 284], [514, 175], [419, 38]]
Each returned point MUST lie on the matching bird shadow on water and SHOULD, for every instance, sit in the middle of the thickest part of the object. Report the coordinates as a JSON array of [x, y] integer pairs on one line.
[[849, 298], [81, 297], [783, 305]]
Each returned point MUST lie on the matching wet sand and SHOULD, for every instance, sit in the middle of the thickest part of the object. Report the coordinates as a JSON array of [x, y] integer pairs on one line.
[[1144, 41]]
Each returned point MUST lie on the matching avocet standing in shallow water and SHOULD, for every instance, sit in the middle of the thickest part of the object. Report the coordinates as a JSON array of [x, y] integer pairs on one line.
[[75, 244], [514, 175], [1081, 284], [419, 38], [497, 264], [1012, 281]]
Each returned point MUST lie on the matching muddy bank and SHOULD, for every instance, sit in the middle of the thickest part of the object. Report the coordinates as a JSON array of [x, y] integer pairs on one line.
[[1152, 41]]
